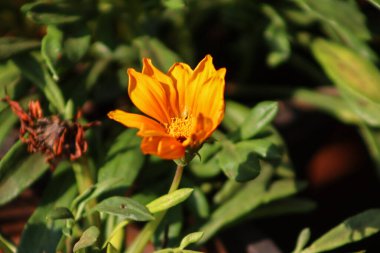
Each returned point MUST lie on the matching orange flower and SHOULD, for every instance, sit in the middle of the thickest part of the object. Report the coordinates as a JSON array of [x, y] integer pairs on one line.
[[184, 107]]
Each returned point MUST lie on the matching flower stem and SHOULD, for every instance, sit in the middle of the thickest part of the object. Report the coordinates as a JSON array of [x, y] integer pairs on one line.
[[140, 242], [84, 181]]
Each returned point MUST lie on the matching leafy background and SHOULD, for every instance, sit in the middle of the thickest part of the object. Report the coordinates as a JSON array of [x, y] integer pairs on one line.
[[319, 59]]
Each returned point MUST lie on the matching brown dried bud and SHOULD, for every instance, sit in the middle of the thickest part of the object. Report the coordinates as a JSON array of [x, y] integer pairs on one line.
[[56, 138]]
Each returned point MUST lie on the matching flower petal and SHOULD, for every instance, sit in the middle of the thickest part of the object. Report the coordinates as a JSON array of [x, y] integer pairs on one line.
[[181, 73], [147, 126], [203, 128], [166, 82], [202, 73], [148, 95], [210, 101], [164, 147]]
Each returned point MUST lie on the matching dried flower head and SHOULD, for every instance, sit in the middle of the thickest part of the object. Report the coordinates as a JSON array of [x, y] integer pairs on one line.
[[56, 138], [183, 107]]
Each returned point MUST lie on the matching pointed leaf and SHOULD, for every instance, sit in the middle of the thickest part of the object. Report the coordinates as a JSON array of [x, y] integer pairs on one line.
[[190, 238], [52, 13], [41, 234], [124, 159], [302, 240], [18, 171], [35, 71], [124, 207], [88, 238], [353, 229], [357, 78], [260, 117], [51, 48], [10, 46], [169, 200], [238, 163], [59, 213]]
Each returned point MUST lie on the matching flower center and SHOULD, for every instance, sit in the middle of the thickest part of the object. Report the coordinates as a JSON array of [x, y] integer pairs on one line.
[[180, 128]]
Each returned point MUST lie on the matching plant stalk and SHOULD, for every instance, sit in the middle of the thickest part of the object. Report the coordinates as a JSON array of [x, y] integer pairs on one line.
[[142, 239], [84, 181]]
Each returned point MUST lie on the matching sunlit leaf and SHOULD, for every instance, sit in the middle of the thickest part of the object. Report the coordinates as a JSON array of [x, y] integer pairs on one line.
[[351, 230], [260, 117], [238, 162], [302, 240], [375, 3], [124, 207], [169, 200], [190, 238], [249, 197], [6, 246], [358, 79], [206, 163], [10, 46], [88, 238]]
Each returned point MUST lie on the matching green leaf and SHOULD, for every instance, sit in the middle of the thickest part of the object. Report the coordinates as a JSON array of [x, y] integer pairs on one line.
[[285, 206], [249, 197], [206, 164], [94, 192], [40, 234], [169, 200], [53, 13], [174, 4], [265, 147], [260, 117], [190, 238], [10, 46], [229, 188], [124, 207], [59, 213], [276, 37], [302, 240], [51, 48], [124, 159], [111, 248], [336, 106], [8, 121], [238, 162], [88, 238], [283, 188], [18, 170], [358, 79], [234, 115], [162, 57], [198, 203], [35, 71], [6, 246], [375, 3], [77, 42], [371, 136], [351, 230], [351, 32]]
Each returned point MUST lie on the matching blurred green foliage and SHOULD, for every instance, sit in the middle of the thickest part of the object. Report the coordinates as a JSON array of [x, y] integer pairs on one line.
[[74, 54]]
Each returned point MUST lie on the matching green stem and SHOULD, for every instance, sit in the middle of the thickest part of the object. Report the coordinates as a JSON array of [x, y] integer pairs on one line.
[[139, 244], [84, 181]]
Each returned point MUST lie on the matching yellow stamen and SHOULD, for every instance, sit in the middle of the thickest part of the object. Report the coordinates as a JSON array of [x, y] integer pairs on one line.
[[180, 128]]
